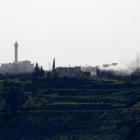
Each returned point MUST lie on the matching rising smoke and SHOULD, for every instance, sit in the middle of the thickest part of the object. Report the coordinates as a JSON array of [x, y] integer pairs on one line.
[[124, 69]]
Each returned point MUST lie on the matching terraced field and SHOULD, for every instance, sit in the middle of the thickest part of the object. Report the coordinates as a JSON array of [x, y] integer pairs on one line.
[[92, 111]]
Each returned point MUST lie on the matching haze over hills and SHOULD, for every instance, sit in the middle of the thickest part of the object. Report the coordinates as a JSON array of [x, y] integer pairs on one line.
[[75, 72]]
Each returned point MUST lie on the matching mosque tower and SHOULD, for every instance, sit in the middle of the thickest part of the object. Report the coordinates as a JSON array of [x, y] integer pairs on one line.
[[16, 52]]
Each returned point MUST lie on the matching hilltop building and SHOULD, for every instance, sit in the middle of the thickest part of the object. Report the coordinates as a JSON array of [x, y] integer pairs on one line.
[[17, 67], [69, 71]]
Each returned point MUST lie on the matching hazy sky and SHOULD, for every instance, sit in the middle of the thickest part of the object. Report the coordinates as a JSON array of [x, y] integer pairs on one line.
[[76, 32]]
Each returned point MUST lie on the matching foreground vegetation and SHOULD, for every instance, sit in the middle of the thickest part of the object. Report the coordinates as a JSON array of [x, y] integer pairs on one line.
[[39, 108]]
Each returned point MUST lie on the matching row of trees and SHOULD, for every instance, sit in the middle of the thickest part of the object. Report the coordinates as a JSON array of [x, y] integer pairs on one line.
[[38, 71]]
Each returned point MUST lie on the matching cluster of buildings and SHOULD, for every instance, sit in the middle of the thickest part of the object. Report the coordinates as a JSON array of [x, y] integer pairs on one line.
[[16, 67]]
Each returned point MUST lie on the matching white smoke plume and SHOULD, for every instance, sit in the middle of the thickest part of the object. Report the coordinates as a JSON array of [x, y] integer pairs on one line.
[[126, 68]]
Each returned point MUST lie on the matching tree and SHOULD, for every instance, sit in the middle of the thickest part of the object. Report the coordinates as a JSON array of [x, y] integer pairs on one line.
[[38, 72], [53, 68], [42, 72], [86, 74]]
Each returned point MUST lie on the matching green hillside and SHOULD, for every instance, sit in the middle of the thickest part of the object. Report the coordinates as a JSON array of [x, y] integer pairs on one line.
[[69, 109]]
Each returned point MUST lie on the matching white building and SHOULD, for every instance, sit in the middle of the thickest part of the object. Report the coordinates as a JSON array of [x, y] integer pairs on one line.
[[17, 66]]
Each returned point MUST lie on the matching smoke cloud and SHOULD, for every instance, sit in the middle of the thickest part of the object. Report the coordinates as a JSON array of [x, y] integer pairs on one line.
[[126, 68]]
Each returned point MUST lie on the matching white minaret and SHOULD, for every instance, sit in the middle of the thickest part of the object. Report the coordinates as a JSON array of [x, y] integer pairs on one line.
[[16, 51]]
